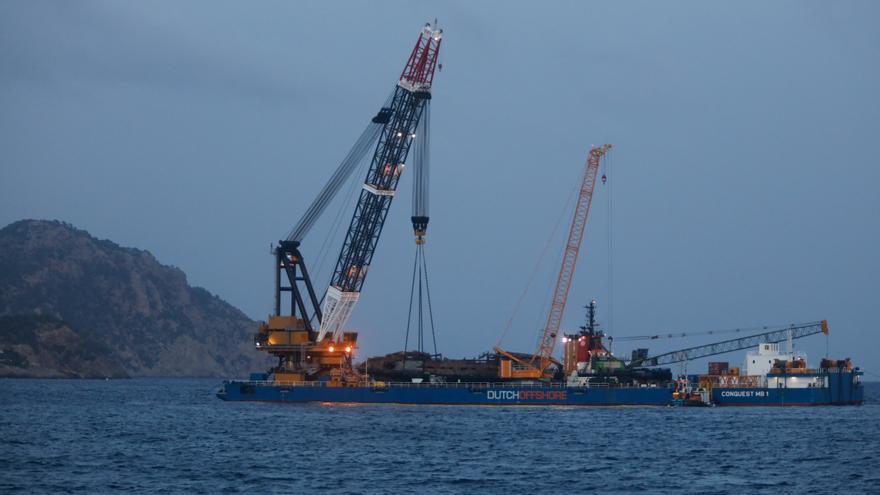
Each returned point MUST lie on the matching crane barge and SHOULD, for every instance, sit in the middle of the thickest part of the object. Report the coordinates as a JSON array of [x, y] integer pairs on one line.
[[314, 350], [770, 376]]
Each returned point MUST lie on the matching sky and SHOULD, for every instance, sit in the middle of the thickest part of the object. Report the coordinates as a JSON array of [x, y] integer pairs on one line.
[[743, 179]]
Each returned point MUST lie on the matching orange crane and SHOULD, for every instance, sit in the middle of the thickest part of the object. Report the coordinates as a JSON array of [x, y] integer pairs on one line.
[[537, 366]]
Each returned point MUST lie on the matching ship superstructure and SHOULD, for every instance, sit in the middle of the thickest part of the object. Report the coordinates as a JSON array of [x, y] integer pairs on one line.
[[771, 376]]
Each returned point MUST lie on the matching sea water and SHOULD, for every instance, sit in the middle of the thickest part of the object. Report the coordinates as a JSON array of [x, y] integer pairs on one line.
[[175, 436]]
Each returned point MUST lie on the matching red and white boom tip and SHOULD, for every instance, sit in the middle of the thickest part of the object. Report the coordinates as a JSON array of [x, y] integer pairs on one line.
[[418, 73]]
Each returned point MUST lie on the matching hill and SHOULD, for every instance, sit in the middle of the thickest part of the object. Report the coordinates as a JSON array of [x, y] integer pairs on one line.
[[74, 305]]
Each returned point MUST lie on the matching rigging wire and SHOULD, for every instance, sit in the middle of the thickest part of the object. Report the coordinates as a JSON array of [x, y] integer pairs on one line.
[[421, 322], [537, 267], [677, 335], [409, 311], [420, 273], [343, 172], [347, 203], [367, 140], [609, 162], [430, 308], [333, 232], [332, 235], [541, 317]]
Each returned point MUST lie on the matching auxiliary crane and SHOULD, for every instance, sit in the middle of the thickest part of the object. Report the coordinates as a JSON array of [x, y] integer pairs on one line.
[[792, 332], [538, 365], [310, 341]]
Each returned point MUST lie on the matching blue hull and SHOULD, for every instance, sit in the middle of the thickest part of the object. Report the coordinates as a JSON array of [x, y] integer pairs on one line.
[[843, 389], [461, 394], [779, 397], [842, 393]]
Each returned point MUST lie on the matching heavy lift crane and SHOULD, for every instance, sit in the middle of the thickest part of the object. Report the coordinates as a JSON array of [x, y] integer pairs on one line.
[[538, 365], [310, 342]]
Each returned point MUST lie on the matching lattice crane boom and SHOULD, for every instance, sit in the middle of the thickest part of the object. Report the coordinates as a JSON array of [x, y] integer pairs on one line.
[[308, 339], [779, 335], [405, 111], [536, 366], [569, 258]]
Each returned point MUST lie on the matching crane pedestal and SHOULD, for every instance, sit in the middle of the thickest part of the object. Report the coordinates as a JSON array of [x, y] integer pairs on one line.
[[301, 358]]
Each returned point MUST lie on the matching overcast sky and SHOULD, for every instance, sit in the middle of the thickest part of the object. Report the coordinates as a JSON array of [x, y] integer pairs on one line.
[[744, 173]]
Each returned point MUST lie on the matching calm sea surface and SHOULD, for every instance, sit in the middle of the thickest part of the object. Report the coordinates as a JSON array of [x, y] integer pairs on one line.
[[174, 436]]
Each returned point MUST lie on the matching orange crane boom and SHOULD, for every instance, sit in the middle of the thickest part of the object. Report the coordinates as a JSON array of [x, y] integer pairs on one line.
[[538, 365]]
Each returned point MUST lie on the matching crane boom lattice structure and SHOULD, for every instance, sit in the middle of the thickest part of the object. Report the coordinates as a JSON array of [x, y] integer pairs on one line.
[[537, 366], [732, 345], [388, 162], [569, 258], [304, 351]]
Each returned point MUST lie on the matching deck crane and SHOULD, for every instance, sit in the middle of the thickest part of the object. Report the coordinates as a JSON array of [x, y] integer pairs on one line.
[[310, 341], [538, 365], [771, 337]]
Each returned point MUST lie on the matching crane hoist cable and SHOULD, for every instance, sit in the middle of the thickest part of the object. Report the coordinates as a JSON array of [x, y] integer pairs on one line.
[[609, 195], [420, 219]]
